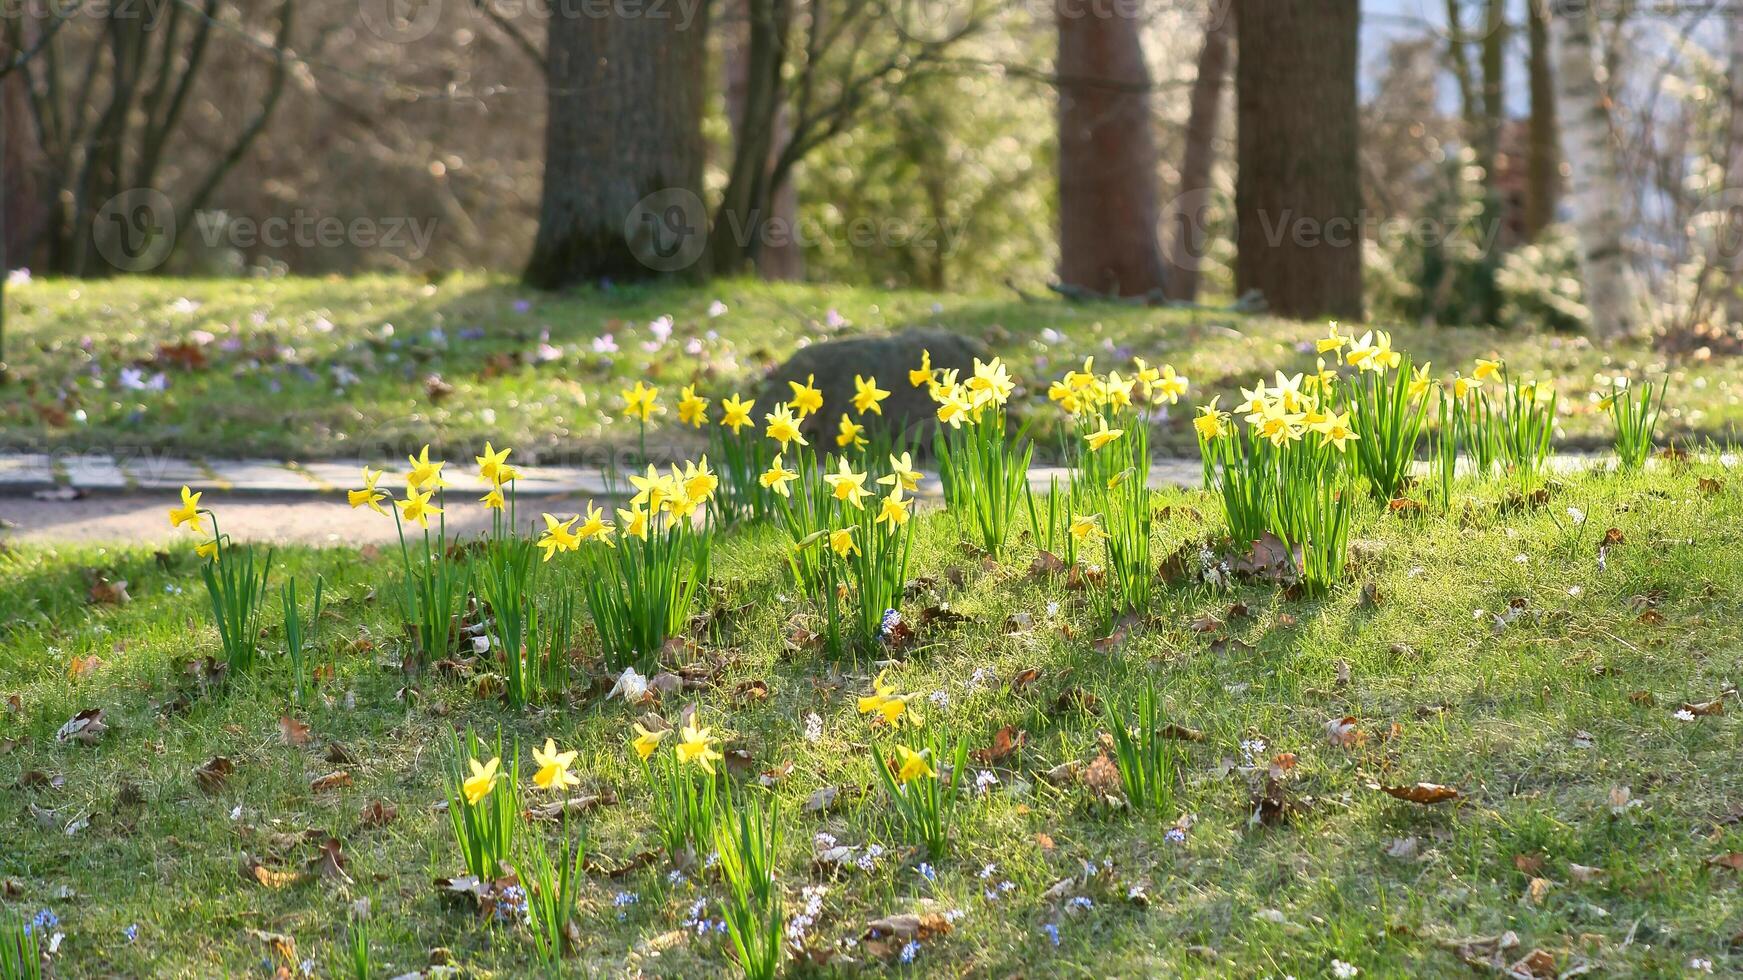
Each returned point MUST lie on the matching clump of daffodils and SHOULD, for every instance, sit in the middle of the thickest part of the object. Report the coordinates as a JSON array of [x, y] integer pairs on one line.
[[984, 469], [235, 580]]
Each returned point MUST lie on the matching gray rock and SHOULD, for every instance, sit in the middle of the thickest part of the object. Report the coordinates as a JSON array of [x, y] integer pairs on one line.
[[887, 358]]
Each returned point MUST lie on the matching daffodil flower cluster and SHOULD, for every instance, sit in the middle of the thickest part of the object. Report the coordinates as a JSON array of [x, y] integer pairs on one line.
[[683, 782], [235, 581], [983, 468]]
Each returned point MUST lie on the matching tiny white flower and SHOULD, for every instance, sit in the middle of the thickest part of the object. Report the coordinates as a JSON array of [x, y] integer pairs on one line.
[[481, 644], [1684, 714], [1344, 971], [1520, 559], [1578, 515]]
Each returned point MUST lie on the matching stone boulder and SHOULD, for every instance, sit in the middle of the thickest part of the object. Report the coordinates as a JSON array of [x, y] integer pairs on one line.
[[888, 358]]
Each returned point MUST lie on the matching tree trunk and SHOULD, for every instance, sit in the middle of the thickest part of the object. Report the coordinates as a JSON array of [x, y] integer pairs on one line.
[[1108, 208], [1596, 191], [1543, 166], [1186, 231], [1298, 195], [753, 50], [623, 151], [1733, 241]]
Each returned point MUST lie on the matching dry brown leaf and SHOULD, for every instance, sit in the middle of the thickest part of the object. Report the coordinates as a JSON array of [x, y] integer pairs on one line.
[[214, 773], [110, 592], [329, 860], [273, 878], [80, 668], [292, 731], [1426, 794], [337, 779], [85, 727], [379, 814], [1006, 741], [1342, 733]]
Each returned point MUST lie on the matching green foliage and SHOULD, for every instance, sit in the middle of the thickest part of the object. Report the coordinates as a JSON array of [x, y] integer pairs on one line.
[[20, 950], [922, 780], [748, 841], [642, 590], [985, 474], [552, 881], [484, 829], [236, 586], [299, 635], [1144, 753], [1635, 409], [353, 959], [683, 804]]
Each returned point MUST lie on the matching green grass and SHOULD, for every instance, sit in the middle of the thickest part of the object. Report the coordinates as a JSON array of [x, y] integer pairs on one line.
[[1537, 722], [269, 386]]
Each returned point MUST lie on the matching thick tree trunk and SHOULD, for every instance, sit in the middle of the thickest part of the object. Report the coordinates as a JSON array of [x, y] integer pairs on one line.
[[753, 48], [623, 151], [1298, 193], [1543, 165], [1596, 191], [1185, 222], [1108, 209]]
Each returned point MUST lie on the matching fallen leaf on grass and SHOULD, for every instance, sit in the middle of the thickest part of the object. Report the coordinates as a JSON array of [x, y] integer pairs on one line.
[[1342, 733], [1403, 848], [1538, 890], [268, 877], [1023, 678], [110, 592], [214, 773], [750, 691], [1426, 794], [37, 779], [1180, 733], [1046, 563], [1700, 708], [1206, 624], [379, 814], [1044, 841], [329, 860], [338, 779], [1529, 864], [80, 668], [85, 727], [1732, 861], [572, 805], [292, 731], [1536, 963], [1006, 741]]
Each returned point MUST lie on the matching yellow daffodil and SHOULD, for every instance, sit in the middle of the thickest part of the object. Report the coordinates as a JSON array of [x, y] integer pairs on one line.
[[913, 766], [1170, 386], [491, 464], [1254, 404], [1361, 354], [698, 481], [922, 374], [633, 522], [1103, 436], [595, 526], [850, 434], [1288, 391], [1066, 396], [188, 514], [1146, 377], [483, 779], [423, 472], [776, 477], [1211, 422], [953, 406], [1420, 381], [867, 394], [902, 473], [894, 510], [493, 500], [1280, 426], [1335, 430], [991, 380], [554, 766], [652, 489], [806, 398], [641, 401], [368, 496], [1333, 341], [697, 747], [1087, 527], [841, 542], [848, 485], [208, 550], [736, 413], [1488, 370], [1385, 358], [646, 742], [784, 428], [1320, 381], [692, 410], [558, 536], [886, 703], [1118, 390], [1463, 386], [416, 508]]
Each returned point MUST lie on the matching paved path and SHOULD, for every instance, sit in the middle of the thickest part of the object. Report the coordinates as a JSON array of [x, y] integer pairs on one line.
[[90, 497]]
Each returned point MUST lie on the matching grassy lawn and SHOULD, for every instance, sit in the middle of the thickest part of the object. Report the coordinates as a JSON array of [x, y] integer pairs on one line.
[[315, 368], [1489, 650]]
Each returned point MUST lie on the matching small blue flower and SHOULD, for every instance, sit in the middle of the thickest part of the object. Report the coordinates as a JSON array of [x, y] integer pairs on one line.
[[1052, 932], [1082, 902], [131, 932], [888, 624], [926, 871], [910, 951], [1175, 836]]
